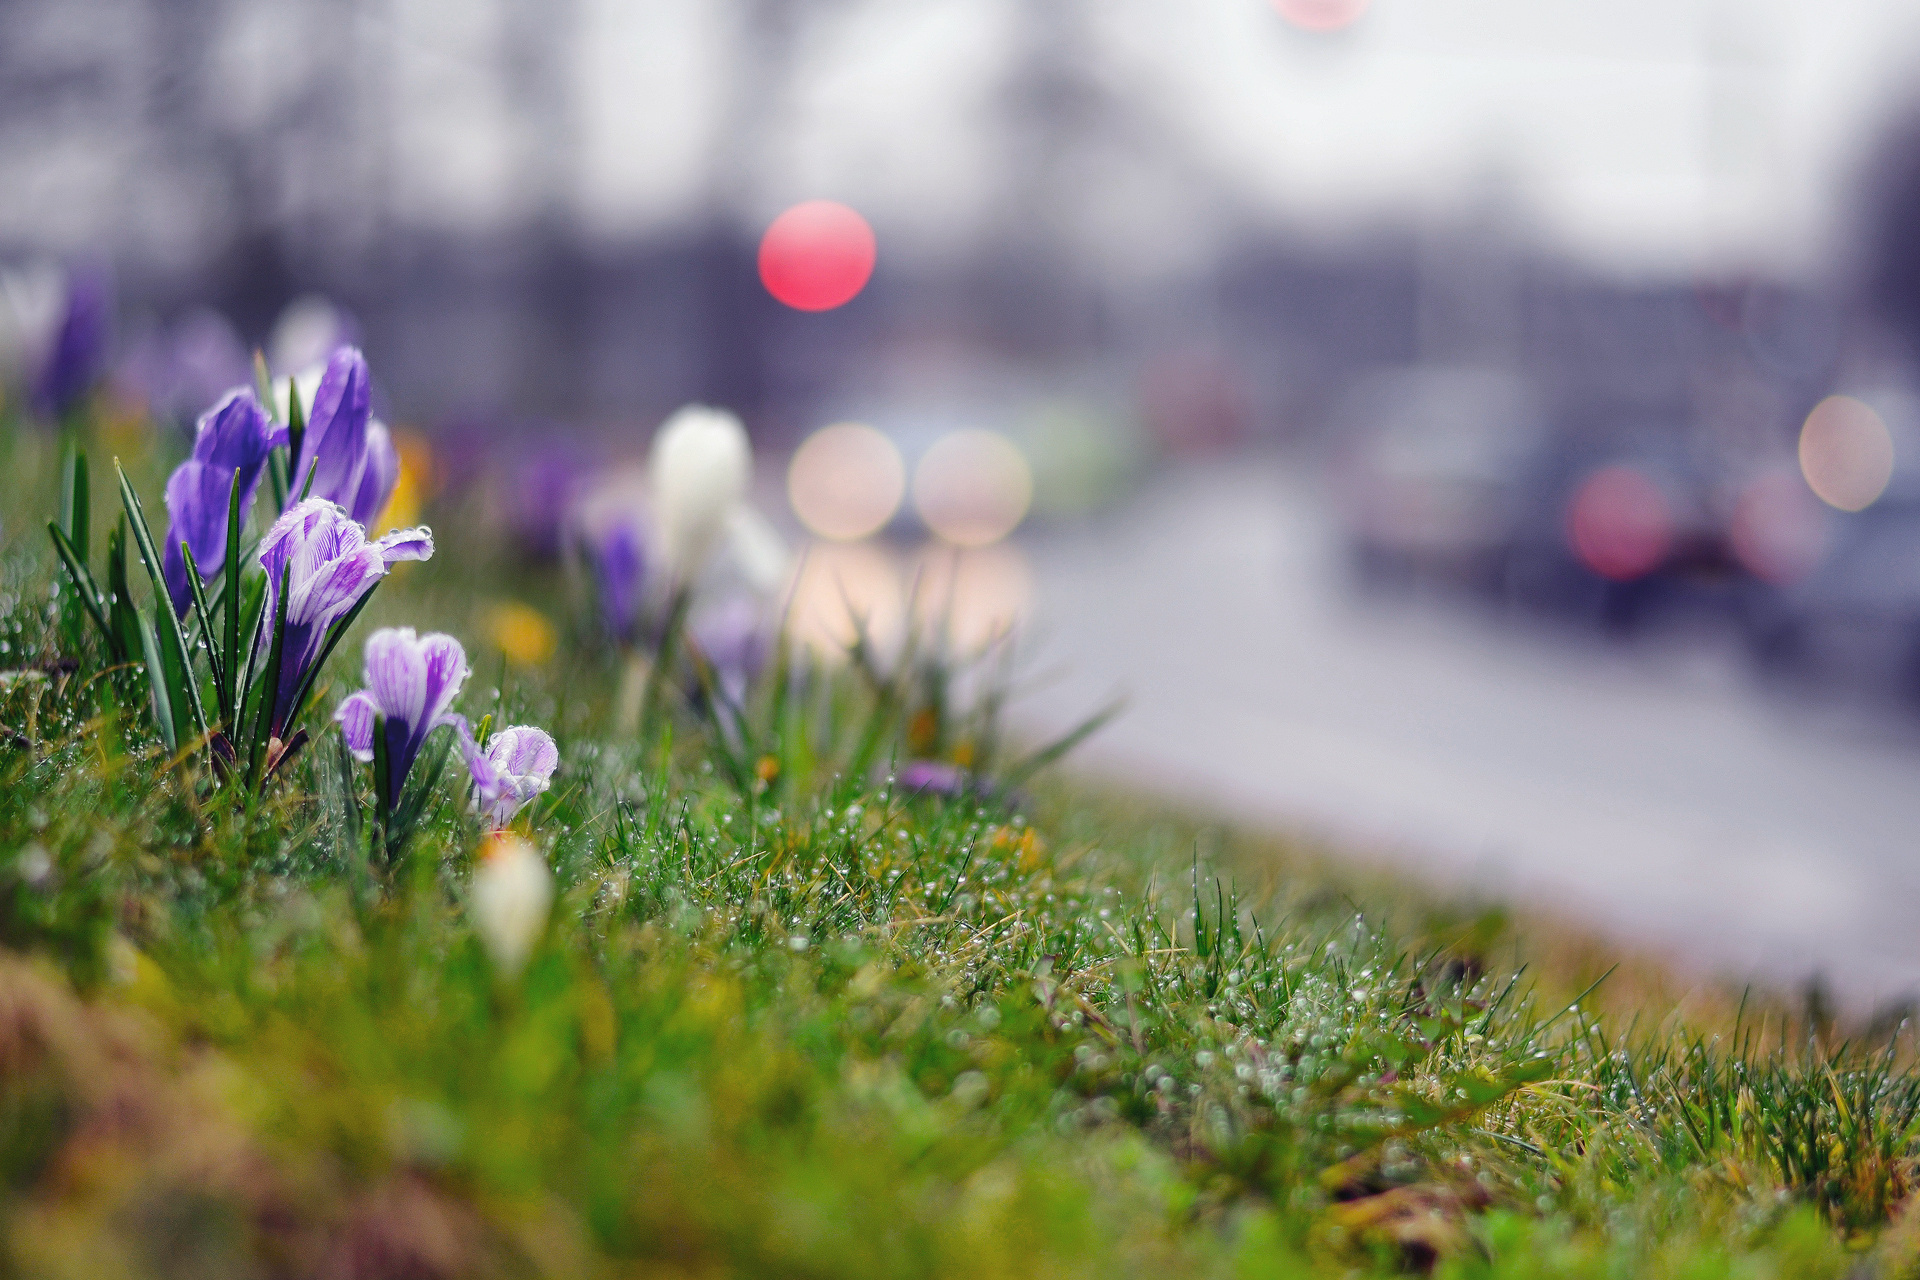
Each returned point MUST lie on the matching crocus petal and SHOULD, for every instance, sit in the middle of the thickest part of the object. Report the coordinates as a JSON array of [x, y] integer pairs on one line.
[[377, 479], [333, 450], [355, 718], [524, 749], [397, 675], [486, 775], [173, 569], [190, 518], [620, 566], [407, 544], [329, 567], [446, 669], [235, 435], [518, 765]]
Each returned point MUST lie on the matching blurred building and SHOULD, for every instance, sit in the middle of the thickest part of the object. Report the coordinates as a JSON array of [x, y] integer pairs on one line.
[[554, 207]]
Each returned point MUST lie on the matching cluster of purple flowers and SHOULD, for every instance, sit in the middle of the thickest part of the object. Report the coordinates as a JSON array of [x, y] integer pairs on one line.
[[412, 681], [321, 563]]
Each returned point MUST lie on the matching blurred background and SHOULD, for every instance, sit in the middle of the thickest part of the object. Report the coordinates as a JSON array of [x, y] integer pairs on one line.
[[1479, 432]]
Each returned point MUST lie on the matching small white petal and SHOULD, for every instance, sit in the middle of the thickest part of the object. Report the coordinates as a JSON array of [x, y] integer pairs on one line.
[[512, 894]]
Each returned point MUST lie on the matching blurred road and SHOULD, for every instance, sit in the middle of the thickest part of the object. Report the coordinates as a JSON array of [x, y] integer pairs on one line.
[[1650, 788]]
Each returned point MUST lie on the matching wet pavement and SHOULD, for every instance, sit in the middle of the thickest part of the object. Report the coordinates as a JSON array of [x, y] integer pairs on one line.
[[1651, 788]]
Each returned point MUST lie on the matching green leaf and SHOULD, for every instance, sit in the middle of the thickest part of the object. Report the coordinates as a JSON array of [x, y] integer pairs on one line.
[[263, 717], [76, 517], [297, 435], [169, 622], [1060, 746], [176, 672], [382, 790], [277, 479], [262, 380], [83, 584], [157, 686], [230, 650], [207, 641], [125, 618]]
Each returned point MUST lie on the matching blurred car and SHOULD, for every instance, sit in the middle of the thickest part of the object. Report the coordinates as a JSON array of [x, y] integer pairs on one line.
[[1636, 514], [1434, 473], [1626, 517], [1855, 619]]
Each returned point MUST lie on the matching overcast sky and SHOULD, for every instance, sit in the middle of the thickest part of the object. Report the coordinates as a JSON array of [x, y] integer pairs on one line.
[[1664, 134], [1647, 132]]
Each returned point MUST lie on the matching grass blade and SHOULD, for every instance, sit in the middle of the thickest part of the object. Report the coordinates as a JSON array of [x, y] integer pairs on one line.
[[157, 686], [169, 621], [269, 684], [76, 502], [1046, 755], [83, 583], [230, 650], [205, 615]]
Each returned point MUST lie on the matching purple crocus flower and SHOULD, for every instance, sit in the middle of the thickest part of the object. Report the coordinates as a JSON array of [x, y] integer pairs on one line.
[[232, 440], [329, 564], [619, 569], [377, 479], [333, 450], [78, 355], [412, 681], [932, 778], [517, 765]]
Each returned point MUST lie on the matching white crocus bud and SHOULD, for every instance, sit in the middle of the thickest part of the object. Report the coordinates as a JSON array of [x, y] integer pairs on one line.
[[698, 470], [512, 894]]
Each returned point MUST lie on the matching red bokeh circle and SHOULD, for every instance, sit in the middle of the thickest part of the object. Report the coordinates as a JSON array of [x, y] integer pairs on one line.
[[817, 256], [1321, 15], [1619, 524]]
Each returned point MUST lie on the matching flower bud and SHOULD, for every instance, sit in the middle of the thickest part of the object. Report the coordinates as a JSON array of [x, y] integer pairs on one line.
[[699, 469], [512, 894]]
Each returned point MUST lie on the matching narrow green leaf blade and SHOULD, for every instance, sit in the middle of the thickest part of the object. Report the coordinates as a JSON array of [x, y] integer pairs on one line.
[[169, 621], [205, 616], [157, 686], [82, 580]]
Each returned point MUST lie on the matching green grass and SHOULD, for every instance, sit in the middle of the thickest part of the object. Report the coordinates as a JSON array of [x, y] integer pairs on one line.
[[788, 1021]]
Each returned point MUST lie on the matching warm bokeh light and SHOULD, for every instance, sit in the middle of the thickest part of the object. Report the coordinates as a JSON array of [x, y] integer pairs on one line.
[[1321, 15], [846, 481], [973, 487], [522, 633], [817, 256], [971, 597], [1619, 524], [1846, 453], [842, 588], [414, 484], [1779, 532]]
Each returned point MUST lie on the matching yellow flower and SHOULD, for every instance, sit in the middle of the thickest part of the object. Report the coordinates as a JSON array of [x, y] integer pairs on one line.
[[522, 633]]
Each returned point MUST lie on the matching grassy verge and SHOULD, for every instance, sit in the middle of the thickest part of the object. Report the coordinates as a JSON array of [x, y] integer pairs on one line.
[[798, 1021]]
